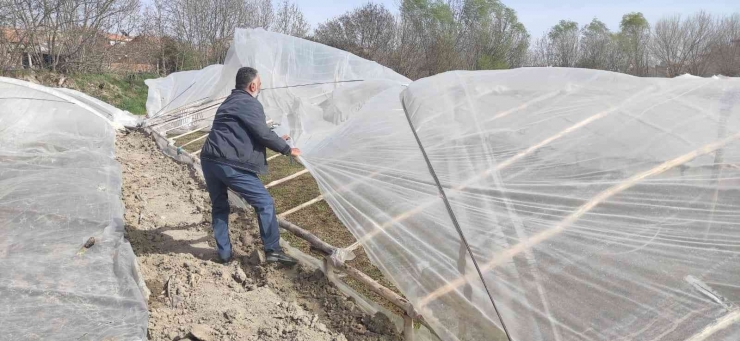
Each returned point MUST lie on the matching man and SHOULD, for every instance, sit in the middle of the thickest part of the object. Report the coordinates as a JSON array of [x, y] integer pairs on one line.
[[233, 156]]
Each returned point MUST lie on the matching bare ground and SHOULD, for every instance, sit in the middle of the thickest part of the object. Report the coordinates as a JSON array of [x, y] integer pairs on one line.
[[194, 297]]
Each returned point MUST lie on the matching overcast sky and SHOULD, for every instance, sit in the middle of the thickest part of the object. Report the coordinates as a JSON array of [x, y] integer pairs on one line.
[[539, 15]]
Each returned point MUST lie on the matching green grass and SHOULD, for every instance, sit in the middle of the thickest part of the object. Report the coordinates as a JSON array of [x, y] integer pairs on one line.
[[126, 92]]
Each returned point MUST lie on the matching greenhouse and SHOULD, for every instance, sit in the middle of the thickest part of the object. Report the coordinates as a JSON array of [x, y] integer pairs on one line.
[[528, 204], [60, 195]]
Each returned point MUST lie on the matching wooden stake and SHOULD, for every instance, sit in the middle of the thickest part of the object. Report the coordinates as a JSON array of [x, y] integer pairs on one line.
[[408, 328]]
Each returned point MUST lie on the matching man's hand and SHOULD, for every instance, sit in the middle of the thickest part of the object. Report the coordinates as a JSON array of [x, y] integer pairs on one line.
[[295, 152], [286, 137]]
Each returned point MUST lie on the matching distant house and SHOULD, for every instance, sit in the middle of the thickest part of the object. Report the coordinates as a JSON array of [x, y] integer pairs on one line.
[[129, 54], [14, 46], [20, 49], [117, 52], [117, 39]]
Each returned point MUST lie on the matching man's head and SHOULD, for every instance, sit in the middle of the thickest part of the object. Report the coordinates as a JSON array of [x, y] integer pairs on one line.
[[248, 80]]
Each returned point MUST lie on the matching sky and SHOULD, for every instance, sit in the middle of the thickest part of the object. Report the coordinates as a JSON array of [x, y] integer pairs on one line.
[[539, 15]]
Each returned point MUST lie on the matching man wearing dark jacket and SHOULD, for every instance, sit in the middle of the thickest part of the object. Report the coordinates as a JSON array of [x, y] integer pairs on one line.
[[233, 156]]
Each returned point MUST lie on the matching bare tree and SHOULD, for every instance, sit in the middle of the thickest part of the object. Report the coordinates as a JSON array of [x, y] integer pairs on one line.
[[540, 53], [66, 34], [203, 29], [700, 32], [368, 32], [726, 47], [6, 57], [154, 29], [290, 20], [564, 43], [262, 14], [669, 44]]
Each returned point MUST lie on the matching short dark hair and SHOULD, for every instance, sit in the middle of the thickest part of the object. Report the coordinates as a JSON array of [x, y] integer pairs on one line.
[[245, 76]]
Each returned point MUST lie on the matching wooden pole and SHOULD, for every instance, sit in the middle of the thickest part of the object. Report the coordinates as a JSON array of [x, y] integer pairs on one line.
[[176, 115], [384, 292], [184, 111], [195, 140], [311, 238], [287, 178], [403, 216], [188, 133], [180, 125], [301, 206], [729, 319], [506, 255], [358, 275]]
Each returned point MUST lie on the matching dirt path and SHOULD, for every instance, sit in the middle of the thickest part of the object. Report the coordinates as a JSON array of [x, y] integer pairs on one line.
[[192, 296]]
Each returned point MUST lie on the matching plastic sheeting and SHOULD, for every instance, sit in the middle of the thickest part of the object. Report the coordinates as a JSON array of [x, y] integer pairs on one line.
[[180, 88], [597, 206], [120, 118], [60, 185]]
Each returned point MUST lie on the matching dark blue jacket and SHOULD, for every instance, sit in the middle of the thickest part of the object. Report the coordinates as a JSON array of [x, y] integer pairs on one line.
[[240, 134]]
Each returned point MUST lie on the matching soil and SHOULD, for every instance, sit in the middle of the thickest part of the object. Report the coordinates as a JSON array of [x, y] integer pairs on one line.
[[195, 297]]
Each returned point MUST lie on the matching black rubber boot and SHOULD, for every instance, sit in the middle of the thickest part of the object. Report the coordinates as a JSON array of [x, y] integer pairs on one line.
[[280, 257]]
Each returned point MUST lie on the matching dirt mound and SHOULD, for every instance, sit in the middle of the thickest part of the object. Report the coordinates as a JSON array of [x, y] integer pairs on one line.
[[193, 296]]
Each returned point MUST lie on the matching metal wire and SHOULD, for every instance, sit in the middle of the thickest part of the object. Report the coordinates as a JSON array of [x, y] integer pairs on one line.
[[311, 84], [443, 195]]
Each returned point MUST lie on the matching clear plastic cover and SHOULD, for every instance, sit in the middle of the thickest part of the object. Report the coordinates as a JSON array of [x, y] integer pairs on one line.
[[596, 205], [180, 88], [60, 185], [120, 118]]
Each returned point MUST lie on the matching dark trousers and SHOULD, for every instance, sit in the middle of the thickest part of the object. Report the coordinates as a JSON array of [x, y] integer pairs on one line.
[[219, 178]]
